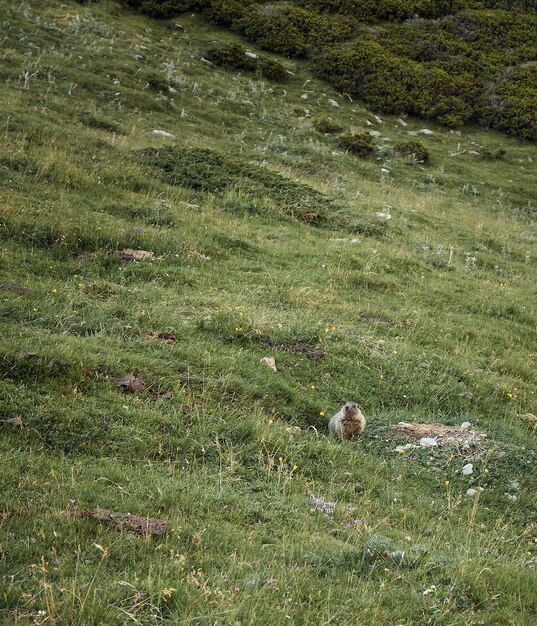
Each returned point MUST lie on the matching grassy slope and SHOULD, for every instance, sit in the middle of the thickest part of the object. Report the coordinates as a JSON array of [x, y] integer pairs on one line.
[[455, 273]]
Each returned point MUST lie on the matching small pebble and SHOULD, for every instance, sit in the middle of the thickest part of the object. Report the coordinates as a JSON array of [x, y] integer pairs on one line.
[[468, 469]]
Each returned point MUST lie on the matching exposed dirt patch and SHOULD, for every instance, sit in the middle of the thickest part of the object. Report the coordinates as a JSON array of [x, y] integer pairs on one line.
[[463, 437], [163, 337], [123, 521], [376, 319], [129, 254], [310, 351], [15, 287], [130, 383]]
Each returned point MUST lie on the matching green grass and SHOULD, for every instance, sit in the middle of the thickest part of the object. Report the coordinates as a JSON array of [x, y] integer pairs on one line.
[[451, 274]]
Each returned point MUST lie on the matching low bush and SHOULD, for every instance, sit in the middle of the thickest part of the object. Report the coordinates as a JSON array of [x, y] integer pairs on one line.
[[203, 169], [360, 144], [235, 56], [327, 127], [415, 151]]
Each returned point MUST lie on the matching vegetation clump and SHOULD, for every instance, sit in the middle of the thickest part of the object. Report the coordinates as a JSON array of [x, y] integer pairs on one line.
[[236, 56], [327, 127], [414, 150], [360, 144], [204, 169]]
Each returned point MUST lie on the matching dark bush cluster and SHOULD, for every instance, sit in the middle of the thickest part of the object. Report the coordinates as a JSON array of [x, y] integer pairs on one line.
[[360, 144], [449, 60], [235, 56], [327, 127], [415, 151], [291, 31], [203, 169]]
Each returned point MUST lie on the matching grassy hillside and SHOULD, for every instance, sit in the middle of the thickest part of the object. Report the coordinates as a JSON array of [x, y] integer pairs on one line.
[[448, 60], [404, 284]]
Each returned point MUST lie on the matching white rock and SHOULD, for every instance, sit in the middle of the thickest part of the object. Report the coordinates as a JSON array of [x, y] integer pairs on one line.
[[251, 54], [162, 133], [377, 118], [425, 131], [375, 133], [468, 469], [471, 493], [333, 103], [402, 122], [514, 484], [269, 361], [465, 425], [510, 497], [383, 214], [407, 446], [428, 442], [304, 96], [412, 133], [385, 171], [368, 123]]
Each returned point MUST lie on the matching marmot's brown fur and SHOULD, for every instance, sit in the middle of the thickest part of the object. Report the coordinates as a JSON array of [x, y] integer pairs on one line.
[[347, 422]]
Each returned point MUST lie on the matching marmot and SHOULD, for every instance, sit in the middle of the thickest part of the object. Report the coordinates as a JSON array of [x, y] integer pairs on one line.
[[347, 422]]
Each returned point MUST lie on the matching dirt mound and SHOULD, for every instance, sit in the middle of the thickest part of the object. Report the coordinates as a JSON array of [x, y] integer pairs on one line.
[[439, 435]]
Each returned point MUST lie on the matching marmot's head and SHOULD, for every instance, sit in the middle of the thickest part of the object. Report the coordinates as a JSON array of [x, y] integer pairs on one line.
[[351, 410]]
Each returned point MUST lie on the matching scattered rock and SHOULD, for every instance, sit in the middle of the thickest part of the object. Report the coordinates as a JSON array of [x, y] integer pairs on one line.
[[164, 337], [162, 133], [511, 497], [468, 469], [293, 430], [128, 254], [384, 170], [333, 103], [374, 133], [269, 361], [15, 287], [377, 119], [465, 425], [425, 131], [402, 122], [310, 351], [178, 26], [428, 442], [251, 54], [384, 215], [407, 446], [514, 484], [123, 521], [530, 418], [130, 383], [412, 133], [445, 436]]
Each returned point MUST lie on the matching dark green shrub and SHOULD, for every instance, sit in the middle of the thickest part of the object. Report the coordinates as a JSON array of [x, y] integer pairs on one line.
[[325, 126], [95, 120], [203, 169], [156, 81], [235, 56], [291, 31], [360, 144], [166, 8], [272, 70], [414, 150], [368, 71], [229, 12]]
